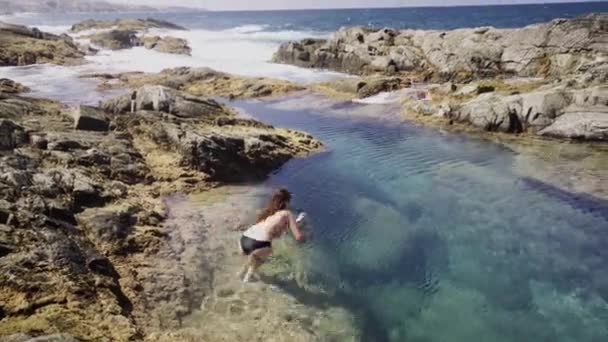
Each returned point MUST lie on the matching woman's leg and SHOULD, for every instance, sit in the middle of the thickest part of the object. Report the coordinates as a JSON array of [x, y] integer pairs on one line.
[[256, 259]]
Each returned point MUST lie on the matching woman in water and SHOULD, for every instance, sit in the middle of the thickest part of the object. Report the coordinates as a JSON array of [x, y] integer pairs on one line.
[[272, 222]]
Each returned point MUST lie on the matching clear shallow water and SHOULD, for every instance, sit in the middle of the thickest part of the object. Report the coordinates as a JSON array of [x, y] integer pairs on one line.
[[436, 237], [433, 237]]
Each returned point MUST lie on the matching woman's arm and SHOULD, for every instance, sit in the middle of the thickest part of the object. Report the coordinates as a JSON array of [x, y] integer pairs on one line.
[[293, 226]]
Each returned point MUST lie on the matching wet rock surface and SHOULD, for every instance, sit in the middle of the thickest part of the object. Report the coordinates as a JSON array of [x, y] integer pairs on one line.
[[260, 310], [361, 87], [129, 33], [85, 248], [21, 45], [116, 39], [11, 87], [167, 45]]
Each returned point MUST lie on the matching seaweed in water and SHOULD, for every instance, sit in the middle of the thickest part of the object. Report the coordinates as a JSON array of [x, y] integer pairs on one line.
[[585, 203]]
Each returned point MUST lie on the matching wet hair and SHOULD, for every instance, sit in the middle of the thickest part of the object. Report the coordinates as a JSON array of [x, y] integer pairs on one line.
[[279, 201]]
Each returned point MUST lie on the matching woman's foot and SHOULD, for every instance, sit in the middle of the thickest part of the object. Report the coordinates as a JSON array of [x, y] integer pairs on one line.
[[242, 271], [248, 275]]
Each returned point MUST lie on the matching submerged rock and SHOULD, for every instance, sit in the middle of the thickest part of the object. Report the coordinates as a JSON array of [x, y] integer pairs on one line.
[[20, 45]]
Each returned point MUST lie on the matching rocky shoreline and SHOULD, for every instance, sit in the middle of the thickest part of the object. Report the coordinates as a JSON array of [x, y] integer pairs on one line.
[[21, 45], [94, 241], [563, 64], [81, 203]]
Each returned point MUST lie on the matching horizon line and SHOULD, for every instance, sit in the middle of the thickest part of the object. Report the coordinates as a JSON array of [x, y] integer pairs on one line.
[[396, 7]]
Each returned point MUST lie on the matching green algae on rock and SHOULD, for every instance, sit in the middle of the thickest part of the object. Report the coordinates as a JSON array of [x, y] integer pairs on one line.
[[202, 81], [20, 45], [83, 208]]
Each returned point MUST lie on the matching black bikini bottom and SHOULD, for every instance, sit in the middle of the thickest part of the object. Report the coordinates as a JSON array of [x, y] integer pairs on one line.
[[249, 245]]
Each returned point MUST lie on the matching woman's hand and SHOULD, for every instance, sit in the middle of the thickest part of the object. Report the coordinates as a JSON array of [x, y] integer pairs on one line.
[[293, 226]]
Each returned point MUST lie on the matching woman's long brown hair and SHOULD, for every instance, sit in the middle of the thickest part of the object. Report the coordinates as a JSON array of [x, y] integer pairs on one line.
[[279, 201]]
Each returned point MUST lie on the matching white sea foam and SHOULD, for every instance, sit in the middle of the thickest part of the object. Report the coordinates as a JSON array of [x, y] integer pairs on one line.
[[247, 28], [385, 97], [53, 29], [57, 82], [245, 50]]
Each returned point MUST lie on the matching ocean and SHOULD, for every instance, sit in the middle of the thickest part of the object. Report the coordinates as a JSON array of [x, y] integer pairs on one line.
[[243, 42], [429, 236]]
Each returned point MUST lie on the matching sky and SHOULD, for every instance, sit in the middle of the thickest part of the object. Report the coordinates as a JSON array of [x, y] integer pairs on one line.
[[296, 4]]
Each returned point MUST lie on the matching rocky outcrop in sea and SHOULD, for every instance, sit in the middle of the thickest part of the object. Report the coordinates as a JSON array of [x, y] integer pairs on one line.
[[557, 48], [124, 24], [20, 45], [547, 79], [129, 33]]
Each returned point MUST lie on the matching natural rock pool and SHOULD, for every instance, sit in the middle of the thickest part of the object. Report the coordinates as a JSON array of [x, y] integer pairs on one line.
[[435, 236]]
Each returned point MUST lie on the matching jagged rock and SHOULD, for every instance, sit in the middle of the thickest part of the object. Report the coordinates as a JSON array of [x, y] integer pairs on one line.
[[108, 227], [88, 118], [167, 100], [557, 111], [167, 45], [11, 135], [20, 45], [16, 108], [580, 123], [226, 149], [11, 87], [116, 39], [226, 155], [560, 47], [124, 24]]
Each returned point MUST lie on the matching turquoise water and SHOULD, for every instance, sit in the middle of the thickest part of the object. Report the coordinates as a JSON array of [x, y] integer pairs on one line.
[[436, 236]]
